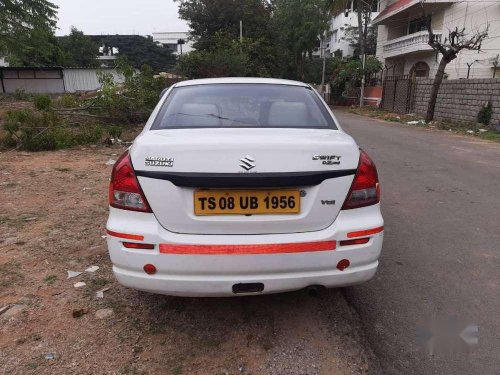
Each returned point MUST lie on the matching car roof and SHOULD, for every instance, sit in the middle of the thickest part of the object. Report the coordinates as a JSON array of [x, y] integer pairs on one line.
[[229, 80]]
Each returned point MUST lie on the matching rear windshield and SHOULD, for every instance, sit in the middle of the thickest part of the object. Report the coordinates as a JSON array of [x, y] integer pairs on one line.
[[243, 105]]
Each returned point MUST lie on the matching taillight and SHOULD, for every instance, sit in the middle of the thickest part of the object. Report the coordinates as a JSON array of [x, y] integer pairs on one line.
[[365, 189], [124, 189]]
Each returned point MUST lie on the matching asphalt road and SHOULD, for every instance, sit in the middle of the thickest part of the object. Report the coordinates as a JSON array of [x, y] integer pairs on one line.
[[441, 255]]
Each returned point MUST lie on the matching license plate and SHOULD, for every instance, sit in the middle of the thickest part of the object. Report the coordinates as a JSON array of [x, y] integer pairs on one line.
[[246, 202]]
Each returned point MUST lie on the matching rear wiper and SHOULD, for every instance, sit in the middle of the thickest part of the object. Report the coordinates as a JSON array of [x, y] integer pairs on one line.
[[207, 114]]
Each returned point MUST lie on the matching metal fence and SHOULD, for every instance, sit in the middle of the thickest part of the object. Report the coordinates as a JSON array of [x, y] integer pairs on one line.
[[398, 93]]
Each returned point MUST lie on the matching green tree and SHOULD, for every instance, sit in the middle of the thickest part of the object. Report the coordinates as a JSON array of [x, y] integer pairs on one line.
[[278, 36], [206, 18], [28, 21], [227, 58], [139, 50], [20, 16], [79, 49], [348, 74], [352, 37], [38, 47], [299, 24]]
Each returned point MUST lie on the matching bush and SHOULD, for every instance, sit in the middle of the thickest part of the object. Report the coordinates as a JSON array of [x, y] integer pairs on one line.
[[33, 131], [20, 94], [348, 74], [484, 115], [132, 101], [42, 102], [88, 134], [69, 101], [115, 131], [40, 131]]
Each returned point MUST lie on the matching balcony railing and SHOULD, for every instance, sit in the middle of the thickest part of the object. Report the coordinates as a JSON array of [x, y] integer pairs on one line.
[[416, 42]]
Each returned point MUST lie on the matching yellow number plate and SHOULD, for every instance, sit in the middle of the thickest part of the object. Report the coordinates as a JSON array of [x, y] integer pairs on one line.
[[246, 202]]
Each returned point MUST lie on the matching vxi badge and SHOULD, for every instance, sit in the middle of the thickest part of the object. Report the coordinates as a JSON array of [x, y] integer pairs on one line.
[[159, 161], [328, 159]]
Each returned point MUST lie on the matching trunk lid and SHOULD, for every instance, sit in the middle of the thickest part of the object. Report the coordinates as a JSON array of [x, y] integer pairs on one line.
[[172, 164]]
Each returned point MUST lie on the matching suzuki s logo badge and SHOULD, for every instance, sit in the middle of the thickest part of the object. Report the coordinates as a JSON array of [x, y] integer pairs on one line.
[[159, 161], [247, 163], [327, 159]]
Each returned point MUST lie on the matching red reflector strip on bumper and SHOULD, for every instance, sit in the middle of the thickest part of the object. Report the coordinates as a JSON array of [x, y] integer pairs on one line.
[[125, 235], [357, 241], [135, 245], [363, 233], [282, 248]]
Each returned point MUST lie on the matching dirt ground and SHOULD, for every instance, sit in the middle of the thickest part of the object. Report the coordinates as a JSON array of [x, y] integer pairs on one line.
[[52, 219]]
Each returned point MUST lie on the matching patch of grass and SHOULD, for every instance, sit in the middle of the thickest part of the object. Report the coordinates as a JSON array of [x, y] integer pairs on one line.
[[490, 136], [68, 101], [62, 169], [42, 102], [381, 114], [32, 337], [9, 274], [156, 328], [19, 221], [129, 369], [177, 370], [32, 366], [50, 280], [99, 281]]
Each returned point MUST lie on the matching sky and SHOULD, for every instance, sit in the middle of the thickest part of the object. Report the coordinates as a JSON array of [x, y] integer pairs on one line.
[[118, 16]]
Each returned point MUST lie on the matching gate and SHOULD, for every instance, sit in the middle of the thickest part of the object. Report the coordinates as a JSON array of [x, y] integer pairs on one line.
[[398, 93]]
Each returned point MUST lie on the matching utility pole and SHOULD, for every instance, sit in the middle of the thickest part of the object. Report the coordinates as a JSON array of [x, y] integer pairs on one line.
[[241, 33], [323, 50], [362, 92]]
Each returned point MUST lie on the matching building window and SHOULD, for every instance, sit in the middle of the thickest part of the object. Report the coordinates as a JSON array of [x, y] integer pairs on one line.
[[334, 37], [417, 25]]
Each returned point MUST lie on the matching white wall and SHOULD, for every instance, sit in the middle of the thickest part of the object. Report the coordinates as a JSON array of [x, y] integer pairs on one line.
[[33, 81], [474, 16], [34, 86], [86, 79]]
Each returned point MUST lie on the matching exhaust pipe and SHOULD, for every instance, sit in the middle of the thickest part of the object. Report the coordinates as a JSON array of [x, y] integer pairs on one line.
[[315, 290]]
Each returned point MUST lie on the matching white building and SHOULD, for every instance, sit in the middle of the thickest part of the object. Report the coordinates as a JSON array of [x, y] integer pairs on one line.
[[3, 62], [403, 36], [173, 41], [339, 25], [107, 55]]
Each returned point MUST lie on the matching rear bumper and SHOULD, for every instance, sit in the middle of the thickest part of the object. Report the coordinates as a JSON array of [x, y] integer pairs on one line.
[[215, 275], [222, 286]]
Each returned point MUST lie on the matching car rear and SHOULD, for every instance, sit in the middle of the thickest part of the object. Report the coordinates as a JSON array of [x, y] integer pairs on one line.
[[243, 187]]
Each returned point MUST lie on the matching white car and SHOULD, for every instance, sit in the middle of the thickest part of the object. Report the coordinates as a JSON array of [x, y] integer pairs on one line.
[[242, 186]]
